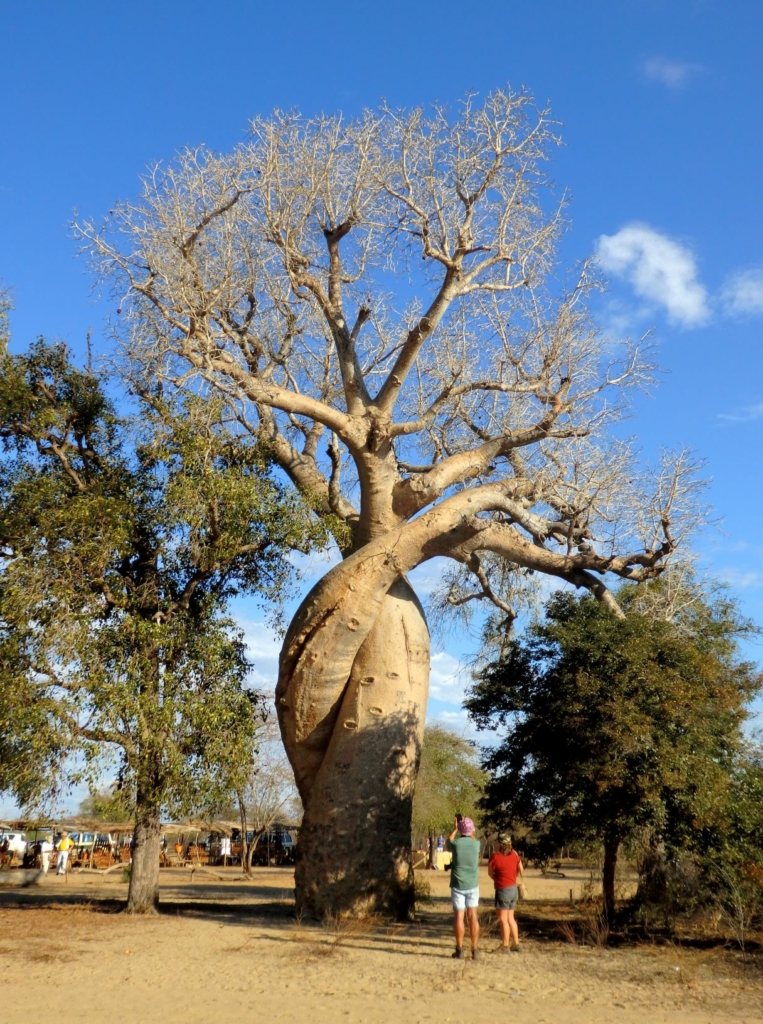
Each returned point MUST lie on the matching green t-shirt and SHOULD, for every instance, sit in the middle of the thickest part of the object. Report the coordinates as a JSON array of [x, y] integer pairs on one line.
[[465, 867]]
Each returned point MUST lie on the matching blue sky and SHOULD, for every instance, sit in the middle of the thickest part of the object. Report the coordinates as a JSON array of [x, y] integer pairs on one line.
[[660, 104]]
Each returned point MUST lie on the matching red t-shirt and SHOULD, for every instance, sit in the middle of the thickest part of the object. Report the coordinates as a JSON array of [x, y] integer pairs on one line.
[[505, 866]]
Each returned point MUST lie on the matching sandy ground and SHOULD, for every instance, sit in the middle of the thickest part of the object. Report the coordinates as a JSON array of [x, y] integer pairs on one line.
[[232, 949]]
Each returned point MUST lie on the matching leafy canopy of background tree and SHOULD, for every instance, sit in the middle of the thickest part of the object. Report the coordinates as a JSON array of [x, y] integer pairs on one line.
[[262, 793], [113, 803], [739, 840], [614, 725], [732, 850], [721, 865], [121, 544], [450, 780]]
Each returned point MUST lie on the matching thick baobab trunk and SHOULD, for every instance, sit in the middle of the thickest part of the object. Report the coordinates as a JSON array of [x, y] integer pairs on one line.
[[352, 715], [611, 849], [143, 893], [351, 698]]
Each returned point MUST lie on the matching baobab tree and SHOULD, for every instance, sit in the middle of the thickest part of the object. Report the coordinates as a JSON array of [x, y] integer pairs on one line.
[[378, 298]]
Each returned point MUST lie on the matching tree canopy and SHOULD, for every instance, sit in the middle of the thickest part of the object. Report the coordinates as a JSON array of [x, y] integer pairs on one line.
[[121, 543], [610, 726], [450, 781], [113, 802], [383, 289]]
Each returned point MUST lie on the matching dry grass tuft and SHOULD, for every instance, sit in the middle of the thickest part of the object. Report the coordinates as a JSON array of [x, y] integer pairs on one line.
[[568, 932]]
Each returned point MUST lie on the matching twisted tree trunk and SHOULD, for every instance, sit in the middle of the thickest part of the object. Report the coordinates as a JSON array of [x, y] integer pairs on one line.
[[351, 699]]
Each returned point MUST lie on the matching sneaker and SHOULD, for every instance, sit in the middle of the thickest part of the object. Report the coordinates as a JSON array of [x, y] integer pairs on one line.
[[515, 949], [475, 954], [458, 955], [501, 949]]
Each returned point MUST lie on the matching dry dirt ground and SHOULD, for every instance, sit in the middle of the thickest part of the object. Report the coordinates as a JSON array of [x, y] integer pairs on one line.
[[232, 950]]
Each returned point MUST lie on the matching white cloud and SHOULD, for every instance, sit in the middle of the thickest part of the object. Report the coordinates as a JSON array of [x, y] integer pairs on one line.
[[427, 577], [659, 269], [746, 414], [619, 319], [459, 723], [263, 647], [447, 678], [743, 579], [667, 71], [742, 294]]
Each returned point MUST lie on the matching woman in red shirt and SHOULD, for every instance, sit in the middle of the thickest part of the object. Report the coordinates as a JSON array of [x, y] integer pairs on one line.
[[504, 867]]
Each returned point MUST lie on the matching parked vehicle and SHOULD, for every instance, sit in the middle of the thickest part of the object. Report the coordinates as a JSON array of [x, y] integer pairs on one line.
[[96, 849], [13, 846], [87, 840], [16, 842], [274, 848]]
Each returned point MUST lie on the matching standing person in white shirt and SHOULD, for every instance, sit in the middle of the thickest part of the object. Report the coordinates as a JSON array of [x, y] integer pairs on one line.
[[46, 848]]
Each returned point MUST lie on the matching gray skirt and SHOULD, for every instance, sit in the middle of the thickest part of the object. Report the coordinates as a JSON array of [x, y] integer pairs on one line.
[[506, 899]]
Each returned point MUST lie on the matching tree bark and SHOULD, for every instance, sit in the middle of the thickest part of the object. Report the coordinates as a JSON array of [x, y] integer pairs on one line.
[[351, 700], [143, 893], [356, 756], [611, 849], [652, 875], [246, 865]]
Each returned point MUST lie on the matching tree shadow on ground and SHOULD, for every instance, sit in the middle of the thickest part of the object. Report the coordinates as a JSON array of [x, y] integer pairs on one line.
[[214, 910], [551, 923]]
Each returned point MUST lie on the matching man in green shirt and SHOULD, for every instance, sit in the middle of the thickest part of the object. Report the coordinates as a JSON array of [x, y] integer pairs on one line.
[[465, 883]]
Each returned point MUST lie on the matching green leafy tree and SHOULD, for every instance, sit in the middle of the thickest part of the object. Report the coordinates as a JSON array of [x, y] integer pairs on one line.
[[25, 761], [732, 851], [261, 794], [450, 780], [613, 725], [121, 543], [741, 837], [108, 803]]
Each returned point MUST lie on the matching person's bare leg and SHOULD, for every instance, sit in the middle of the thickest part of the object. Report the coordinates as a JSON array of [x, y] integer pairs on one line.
[[503, 924], [458, 927], [474, 926], [512, 926]]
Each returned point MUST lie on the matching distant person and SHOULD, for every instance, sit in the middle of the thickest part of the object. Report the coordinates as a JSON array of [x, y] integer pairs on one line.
[[504, 867], [465, 884], [64, 846], [46, 848], [437, 853]]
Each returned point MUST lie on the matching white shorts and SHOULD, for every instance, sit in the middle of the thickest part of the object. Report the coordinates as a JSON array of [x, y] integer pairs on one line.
[[464, 899]]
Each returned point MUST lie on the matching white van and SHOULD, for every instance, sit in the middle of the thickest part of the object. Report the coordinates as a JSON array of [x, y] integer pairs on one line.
[[16, 842]]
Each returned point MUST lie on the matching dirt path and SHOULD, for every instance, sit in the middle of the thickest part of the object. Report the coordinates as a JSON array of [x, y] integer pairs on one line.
[[223, 949]]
